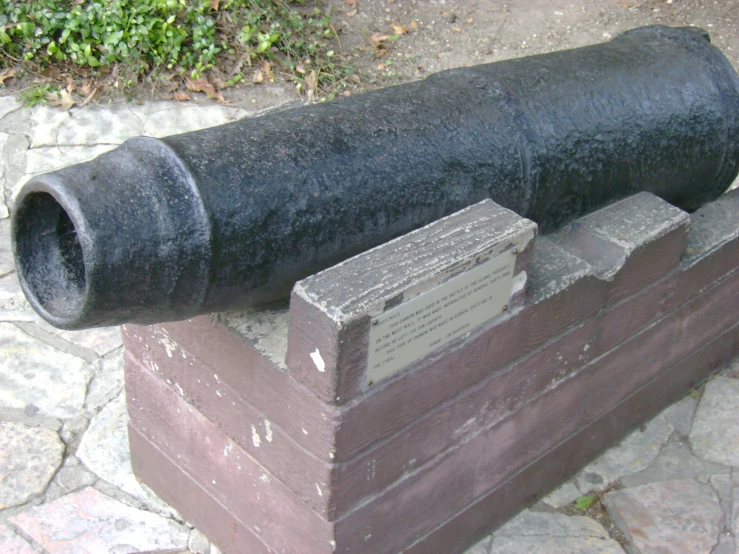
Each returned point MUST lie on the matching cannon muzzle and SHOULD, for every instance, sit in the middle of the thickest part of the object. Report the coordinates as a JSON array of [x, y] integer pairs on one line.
[[232, 216]]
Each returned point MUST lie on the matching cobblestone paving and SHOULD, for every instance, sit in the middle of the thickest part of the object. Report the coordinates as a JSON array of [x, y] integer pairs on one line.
[[65, 479]]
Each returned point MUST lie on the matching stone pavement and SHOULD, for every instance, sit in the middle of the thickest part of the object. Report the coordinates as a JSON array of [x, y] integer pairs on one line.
[[66, 484]]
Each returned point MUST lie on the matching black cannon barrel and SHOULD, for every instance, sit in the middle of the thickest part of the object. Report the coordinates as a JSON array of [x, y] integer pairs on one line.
[[232, 216]]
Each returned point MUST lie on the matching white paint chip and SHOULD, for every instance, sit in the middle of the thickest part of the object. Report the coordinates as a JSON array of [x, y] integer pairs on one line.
[[320, 492], [255, 438], [169, 346], [268, 430], [318, 360]]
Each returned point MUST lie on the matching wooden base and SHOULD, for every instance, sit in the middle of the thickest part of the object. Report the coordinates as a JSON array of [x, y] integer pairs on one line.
[[262, 455]]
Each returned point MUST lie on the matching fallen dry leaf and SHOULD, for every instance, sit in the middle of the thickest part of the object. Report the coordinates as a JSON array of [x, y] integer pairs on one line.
[[214, 6], [181, 96], [414, 24], [244, 58], [202, 85], [258, 77], [623, 4], [7, 73], [381, 53], [352, 3], [420, 69], [267, 70], [91, 95], [469, 20], [219, 82], [352, 13], [381, 67], [218, 78], [312, 79], [377, 38], [311, 82], [456, 29], [63, 99], [399, 29], [300, 68], [52, 73]]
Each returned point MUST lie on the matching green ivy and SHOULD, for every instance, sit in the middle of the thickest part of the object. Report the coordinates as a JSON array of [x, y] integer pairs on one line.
[[584, 502], [188, 36]]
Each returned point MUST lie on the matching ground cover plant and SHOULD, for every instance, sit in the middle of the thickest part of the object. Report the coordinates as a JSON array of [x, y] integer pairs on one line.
[[71, 50]]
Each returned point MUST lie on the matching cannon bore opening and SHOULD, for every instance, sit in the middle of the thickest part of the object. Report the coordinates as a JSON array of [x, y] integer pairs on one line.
[[50, 260]]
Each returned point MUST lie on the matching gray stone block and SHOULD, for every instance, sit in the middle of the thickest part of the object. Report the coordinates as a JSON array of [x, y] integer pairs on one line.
[[675, 462], [104, 451], [11, 543], [691, 524], [11, 295], [197, 543], [100, 524], [7, 264], [715, 433], [29, 457], [35, 374], [107, 382], [563, 495], [482, 547], [553, 534], [680, 414], [70, 477], [634, 454], [8, 104]]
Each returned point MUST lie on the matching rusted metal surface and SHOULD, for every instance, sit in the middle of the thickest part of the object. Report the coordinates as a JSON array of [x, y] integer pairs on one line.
[[232, 216]]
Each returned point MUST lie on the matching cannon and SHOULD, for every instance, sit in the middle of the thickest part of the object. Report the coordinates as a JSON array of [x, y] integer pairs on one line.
[[231, 216]]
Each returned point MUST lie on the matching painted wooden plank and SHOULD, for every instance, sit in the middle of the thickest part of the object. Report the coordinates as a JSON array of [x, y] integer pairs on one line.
[[262, 440], [463, 474], [545, 473], [226, 471]]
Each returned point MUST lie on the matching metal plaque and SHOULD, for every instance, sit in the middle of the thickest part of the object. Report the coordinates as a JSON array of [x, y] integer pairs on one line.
[[410, 331]]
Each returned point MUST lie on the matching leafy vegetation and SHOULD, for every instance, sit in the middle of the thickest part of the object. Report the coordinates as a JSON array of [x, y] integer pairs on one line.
[[38, 94], [175, 41], [584, 502]]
